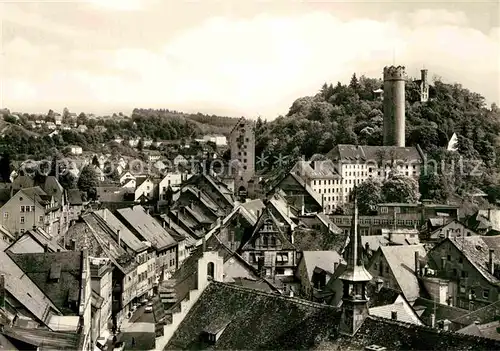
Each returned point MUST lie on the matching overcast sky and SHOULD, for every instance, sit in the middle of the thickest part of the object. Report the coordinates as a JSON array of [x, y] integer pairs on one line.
[[235, 57]]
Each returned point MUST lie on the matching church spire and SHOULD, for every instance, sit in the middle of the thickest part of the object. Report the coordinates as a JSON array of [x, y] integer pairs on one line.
[[353, 256], [354, 280]]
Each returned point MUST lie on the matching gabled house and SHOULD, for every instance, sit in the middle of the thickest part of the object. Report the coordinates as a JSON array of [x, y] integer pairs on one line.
[[90, 233], [146, 228], [31, 207], [298, 193], [144, 253], [269, 249], [315, 270], [75, 203], [470, 269], [452, 229], [180, 160], [396, 267], [144, 187], [126, 176]]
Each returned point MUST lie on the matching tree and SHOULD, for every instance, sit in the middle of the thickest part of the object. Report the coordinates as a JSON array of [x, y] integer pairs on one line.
[[400, 188], [368, 195], [88, 181], [433, 186], [5, 168], [140, 145], [68, 180], [82, 118]]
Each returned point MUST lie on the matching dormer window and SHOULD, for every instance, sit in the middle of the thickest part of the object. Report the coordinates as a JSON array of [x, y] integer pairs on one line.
[[55, 272]]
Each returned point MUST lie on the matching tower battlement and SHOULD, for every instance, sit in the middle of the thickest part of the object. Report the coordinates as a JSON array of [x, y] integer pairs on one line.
[[394, 73]]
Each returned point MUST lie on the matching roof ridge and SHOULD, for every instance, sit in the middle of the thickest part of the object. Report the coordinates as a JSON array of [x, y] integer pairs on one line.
[[283, 297], [430, 329], [444, 305], [475, 311]]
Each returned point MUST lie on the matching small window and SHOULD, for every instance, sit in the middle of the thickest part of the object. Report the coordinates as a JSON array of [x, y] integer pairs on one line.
[[464, 274], [27, 208], [6, 215], [460, 259], [448, 257], [40, 218], [22, 220], [22, 208], [486, 294]]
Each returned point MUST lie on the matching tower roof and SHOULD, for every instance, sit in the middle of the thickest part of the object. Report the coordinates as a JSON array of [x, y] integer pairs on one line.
[[355, 270]]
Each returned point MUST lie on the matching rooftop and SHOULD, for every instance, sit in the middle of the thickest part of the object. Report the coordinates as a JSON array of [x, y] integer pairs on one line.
[[147, 226], [57, 274]]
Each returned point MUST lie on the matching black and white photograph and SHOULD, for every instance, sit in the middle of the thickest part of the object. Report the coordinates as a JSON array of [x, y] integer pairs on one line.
[[249, 175]]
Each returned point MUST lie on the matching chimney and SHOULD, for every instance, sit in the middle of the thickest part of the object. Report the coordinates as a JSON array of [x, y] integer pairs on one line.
[[433, 320], [204, 244], [380, 284], [73, 245], [491, 266], [45, 247], [417, 263], [390, 232], [489, 214], [119, 236], [394, 315], [446, 324]]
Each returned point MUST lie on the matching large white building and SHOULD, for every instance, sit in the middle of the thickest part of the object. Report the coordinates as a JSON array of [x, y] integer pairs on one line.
[[357, 163], [324, 179], [350, 165]]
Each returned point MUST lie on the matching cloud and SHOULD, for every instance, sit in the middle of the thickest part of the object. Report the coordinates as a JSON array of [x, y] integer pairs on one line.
[[255, 66], [117, 5]]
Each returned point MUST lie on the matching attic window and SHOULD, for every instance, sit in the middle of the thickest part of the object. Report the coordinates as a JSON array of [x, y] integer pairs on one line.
[[55, 271]]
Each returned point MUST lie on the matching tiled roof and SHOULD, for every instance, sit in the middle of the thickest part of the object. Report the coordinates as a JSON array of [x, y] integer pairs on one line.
[[441, 311], [147, 227], [284, 323], [24, 290], [385, 296], [34, 241], [322, 169], [75, 197], [184, 279], [401, 260], [57, 274], [90, 234], [483, 315], [397, 335], [282, 237], [403, 314], [488, 330], [43, 339], [368, 153], [476, 250], [322, 259], [21, 182], [53, 187], [126, 235], [374, 241], [327, 222], [110, 193], [305, 239]]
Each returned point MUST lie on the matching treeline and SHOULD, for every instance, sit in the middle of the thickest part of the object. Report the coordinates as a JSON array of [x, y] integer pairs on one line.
[[353, 114], [143, 123]]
